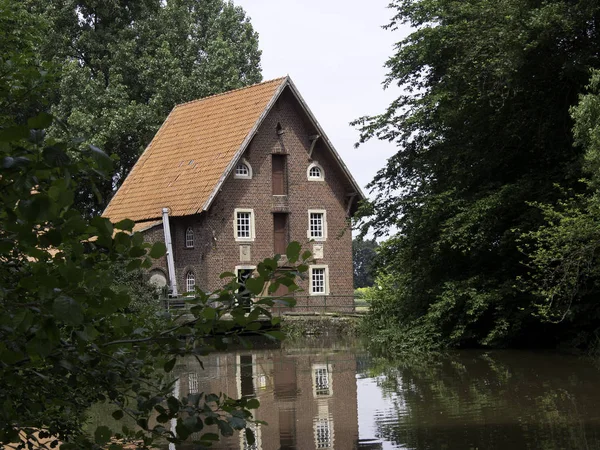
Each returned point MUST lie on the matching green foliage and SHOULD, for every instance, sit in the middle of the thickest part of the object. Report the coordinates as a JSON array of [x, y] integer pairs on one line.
[[125, 65], [483, 133], [67, 335], [563, 254], [363, 254]]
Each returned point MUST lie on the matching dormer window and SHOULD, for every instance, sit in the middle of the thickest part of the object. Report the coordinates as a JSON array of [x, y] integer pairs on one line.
[[189, 238], [315, 172], [243, 169]]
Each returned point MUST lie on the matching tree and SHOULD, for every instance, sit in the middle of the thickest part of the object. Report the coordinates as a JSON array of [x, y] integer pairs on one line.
[[66, 338], [483, 131], [564, 253], [126, 64], [363, 253]]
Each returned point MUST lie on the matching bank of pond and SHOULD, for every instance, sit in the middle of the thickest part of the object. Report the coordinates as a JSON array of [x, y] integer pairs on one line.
[[330, 393]]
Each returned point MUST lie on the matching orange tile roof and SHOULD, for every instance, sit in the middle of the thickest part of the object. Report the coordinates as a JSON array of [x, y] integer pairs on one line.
[[182, 166]]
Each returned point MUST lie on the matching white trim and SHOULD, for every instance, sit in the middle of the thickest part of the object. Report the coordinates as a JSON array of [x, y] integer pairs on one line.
[[324, 224], [244, 162], [235, 225], [326, 280], [313, 178]]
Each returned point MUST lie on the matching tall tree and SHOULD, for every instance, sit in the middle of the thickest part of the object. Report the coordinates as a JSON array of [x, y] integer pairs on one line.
[[127, 63], [363, 254], [483, 129]]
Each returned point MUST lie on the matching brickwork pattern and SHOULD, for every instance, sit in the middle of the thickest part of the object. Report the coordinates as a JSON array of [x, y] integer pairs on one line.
[[215, 249]]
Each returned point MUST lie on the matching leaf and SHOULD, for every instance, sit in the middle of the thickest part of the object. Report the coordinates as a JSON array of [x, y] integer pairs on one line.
[[67, 310], [250, 436], [293, 251], [237, 423], [226, 275], [209, 437], [118, 414], [275, 335], [225, 428], [56, 156], [14, 134], [158, 249], [252, 403], [173, 404], [102, 435], [255, 285], [102, 159], [41, 121], [307, 254], [103, 225], [125, 224], [170, 364]]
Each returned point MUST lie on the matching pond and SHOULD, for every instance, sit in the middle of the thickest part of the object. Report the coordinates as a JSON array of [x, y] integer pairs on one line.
[[331, 394]]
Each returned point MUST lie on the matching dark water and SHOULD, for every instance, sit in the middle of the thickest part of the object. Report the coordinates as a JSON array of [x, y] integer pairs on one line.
[[325, 395]]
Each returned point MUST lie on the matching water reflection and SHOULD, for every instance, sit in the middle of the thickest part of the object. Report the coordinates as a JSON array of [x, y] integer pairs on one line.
[[497, 400], [318, 395], [307, 394]]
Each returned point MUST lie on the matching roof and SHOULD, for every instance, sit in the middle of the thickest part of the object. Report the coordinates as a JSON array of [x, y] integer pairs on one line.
[[194, 151]]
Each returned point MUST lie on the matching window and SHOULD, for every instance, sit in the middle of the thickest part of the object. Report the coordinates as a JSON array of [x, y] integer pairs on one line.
[[189, 237], [323, 434], [321, 381], [243, 169], [278, 163], [190, 281], [244, 225], [319, 280], [315, 172], [317, 224], [192, 383], [280, 227]]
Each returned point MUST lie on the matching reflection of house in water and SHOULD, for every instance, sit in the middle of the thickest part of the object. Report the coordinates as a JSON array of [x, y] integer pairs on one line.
[[309, 401]]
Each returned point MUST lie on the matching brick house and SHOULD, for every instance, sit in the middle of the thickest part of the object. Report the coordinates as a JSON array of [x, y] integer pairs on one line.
[[232, 179]]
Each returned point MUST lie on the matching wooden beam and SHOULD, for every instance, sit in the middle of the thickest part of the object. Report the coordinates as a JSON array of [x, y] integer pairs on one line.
[[313, 141]]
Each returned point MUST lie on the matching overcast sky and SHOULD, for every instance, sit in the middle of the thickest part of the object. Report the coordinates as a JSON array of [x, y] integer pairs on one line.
[[334, 51]]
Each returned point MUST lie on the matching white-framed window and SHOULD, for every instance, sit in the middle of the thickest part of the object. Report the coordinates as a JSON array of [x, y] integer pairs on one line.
[[322, 385], [317, 224], [192, 383], [189, 237], [243, 225], [190, 281], [323, 433], [243, 169], [319, 280], [315, 172]]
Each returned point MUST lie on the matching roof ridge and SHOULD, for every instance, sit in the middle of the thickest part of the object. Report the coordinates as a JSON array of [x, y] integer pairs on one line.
[[231, 91]]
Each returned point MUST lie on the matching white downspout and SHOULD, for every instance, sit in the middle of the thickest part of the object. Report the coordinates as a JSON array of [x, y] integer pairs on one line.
[[169, 245]]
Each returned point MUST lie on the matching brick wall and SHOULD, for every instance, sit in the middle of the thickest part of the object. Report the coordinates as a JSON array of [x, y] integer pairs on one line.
[[215, 249]]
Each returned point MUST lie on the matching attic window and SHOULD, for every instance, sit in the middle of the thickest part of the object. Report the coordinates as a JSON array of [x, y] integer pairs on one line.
[[243, 170], [315, 172], [279, 129]]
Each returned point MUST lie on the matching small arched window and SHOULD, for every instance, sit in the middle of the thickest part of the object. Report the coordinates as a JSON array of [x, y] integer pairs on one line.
[[189, 237], [243, 169], [315, 172], [190, 281]]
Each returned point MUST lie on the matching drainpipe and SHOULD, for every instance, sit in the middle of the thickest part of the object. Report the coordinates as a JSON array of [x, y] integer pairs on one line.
[[169, 245]]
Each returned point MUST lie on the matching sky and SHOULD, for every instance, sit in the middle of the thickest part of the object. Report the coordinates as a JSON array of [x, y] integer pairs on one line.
[[334, 51]]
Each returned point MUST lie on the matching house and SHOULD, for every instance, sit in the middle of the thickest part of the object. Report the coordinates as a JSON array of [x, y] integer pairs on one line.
[[231, 179]]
